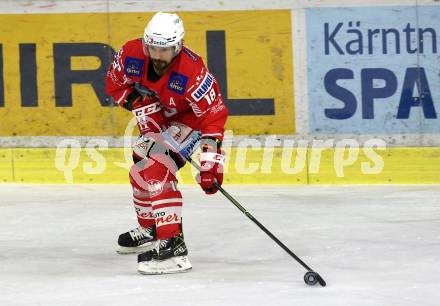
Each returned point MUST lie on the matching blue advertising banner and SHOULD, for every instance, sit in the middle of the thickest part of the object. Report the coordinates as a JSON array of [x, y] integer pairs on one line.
[[374, 70]]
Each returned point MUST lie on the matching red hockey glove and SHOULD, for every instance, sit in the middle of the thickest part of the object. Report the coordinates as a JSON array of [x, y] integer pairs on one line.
[[147, 111], [211, 166]]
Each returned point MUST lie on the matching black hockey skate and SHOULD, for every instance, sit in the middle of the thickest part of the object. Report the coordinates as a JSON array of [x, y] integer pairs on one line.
[[169, 256], [137, 241]]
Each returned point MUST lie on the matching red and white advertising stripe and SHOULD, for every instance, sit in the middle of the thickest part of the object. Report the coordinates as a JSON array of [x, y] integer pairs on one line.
[[144, 212], [167, 215]]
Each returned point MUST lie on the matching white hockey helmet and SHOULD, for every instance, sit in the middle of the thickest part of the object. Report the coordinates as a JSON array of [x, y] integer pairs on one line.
[[164, 30]]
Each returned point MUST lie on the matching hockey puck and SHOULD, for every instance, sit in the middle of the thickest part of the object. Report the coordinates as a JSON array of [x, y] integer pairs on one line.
[[311, 278]]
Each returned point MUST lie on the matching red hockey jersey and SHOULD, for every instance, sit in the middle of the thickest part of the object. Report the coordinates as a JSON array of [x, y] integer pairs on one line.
[[188, 93]]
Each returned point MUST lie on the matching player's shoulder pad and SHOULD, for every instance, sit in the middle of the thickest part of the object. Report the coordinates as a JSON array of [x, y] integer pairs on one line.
[[133, 48], [191, 55], [133, 58], [191, 63]]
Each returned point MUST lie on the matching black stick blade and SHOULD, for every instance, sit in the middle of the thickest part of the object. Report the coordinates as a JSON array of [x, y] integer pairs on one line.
[[321, 281]]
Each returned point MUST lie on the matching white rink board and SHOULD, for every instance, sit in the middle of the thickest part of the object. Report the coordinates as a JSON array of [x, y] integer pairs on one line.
[[81, 6], [374, 246]]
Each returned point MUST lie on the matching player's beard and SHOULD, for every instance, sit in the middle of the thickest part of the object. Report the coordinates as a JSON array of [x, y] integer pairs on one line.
[[160, 66]]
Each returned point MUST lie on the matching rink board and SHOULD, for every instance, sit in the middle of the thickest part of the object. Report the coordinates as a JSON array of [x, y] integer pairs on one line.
[[256, 59], [6, 168], [244, 166]]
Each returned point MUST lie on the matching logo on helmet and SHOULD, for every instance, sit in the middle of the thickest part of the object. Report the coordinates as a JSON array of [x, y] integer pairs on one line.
[[154, 42]]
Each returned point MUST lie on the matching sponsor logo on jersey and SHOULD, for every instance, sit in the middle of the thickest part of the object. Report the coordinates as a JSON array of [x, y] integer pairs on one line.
[[155, 187], [177, 83], [163, 218], [133, 66], [203, 88], [190, 54], [143, 212]]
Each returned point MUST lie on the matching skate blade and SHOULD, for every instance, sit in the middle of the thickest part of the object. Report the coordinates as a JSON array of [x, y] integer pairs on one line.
[[173, 265], [135, 250]]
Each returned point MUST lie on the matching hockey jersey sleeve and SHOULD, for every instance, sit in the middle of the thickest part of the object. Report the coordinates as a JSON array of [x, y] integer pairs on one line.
[[122, 75], [118, 85], [206, 101]]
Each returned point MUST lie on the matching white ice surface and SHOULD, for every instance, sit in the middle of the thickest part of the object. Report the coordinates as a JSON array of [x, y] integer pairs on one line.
[[374, 245]]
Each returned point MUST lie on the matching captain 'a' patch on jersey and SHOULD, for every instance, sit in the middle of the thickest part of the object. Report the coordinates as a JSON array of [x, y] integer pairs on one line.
[[203, 86]]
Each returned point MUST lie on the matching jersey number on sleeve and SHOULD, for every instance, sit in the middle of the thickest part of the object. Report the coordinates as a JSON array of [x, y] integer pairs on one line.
[[210, 96]]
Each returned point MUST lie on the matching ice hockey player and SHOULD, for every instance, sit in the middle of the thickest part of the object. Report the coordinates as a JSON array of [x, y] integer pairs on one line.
[[178, 106]]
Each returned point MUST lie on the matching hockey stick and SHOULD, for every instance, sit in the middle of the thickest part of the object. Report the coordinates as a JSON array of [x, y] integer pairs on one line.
[[311, 278]]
